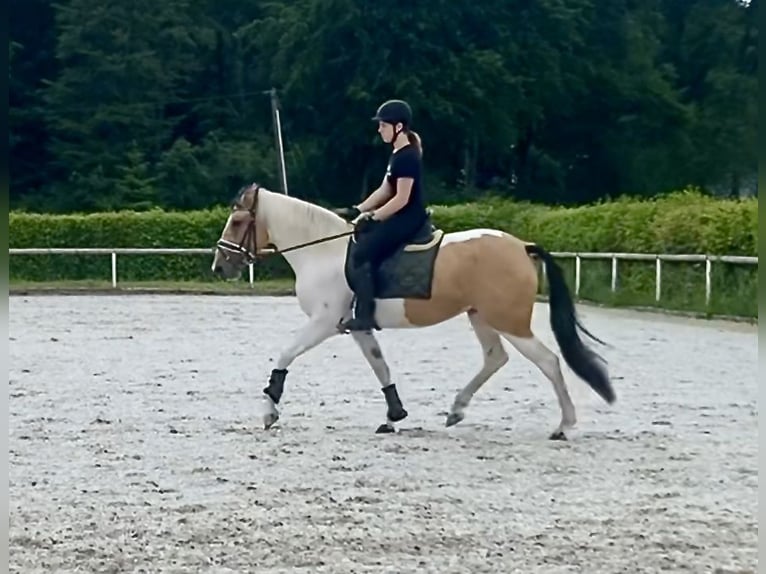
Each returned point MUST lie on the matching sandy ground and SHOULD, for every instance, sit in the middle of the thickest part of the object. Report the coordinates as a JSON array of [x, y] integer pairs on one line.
[[134, 447]]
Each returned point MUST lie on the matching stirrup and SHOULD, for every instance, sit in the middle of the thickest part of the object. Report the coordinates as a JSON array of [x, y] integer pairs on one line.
[[357, 324]]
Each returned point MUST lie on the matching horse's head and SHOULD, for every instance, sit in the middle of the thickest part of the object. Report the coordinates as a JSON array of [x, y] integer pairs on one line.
[[242, 238]]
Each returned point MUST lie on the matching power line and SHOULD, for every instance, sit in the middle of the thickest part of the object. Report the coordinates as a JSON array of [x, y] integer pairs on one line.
[[123, 105]]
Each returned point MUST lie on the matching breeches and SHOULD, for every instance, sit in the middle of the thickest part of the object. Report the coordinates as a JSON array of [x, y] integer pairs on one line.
[[381, 240]]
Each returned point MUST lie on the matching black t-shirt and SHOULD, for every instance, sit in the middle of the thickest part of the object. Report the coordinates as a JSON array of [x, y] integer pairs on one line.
[[406, 162]]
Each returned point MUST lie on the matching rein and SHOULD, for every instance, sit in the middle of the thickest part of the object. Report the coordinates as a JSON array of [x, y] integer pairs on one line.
[[307, 244], [227, 247]]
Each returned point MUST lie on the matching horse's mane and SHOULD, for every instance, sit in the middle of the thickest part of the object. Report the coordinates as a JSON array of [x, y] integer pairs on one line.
[[295, 213], [324, 221]]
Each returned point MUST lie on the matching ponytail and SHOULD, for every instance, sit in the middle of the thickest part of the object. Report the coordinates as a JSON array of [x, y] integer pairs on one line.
[[414, 139]]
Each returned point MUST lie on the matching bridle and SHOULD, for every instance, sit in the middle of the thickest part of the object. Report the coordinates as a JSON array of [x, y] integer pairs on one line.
[[227, 248]]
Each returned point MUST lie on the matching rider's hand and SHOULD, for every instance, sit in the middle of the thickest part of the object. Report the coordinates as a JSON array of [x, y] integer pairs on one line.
[[363, 220], [348, 213]]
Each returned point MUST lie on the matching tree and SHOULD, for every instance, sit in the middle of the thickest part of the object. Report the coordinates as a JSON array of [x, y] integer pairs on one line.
[[122, 65]]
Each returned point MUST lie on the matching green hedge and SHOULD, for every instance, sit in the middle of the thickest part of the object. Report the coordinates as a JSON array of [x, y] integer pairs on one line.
[[683, 222], [686, 222]]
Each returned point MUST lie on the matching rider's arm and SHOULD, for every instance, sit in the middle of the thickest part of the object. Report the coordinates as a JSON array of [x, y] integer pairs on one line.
[[398, 201], [377, 197], [405, 168]]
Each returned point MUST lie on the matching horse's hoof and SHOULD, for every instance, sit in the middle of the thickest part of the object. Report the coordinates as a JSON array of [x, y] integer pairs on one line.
[[385, 428], [454, 418], [558, 435], [269, 420]]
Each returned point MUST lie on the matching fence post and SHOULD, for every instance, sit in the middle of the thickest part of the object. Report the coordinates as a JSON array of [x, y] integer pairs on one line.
[[658, 279], [252, 274], [114, 269], [708, 282], [614, 274], [577, 274]]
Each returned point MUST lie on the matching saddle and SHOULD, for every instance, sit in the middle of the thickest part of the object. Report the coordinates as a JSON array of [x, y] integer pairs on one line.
[[408, 272]]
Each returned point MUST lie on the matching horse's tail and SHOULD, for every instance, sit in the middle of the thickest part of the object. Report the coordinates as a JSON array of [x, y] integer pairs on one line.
[[587, 364]]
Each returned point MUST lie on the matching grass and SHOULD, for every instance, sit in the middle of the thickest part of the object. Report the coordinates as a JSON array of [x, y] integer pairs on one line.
[[260, 287], [733, 287]]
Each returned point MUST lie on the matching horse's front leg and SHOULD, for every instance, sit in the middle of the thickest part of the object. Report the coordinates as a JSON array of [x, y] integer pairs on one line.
[[314, 332]]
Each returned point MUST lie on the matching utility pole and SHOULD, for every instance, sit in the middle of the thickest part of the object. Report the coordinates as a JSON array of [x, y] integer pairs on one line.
[[278, 135]]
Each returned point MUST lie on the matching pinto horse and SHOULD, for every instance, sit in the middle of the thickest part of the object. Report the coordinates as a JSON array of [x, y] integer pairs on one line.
[[488, 274]]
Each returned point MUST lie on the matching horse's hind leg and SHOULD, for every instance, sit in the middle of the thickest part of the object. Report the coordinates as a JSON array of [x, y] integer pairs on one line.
[[372, 352], [548, 362], [495, 357]]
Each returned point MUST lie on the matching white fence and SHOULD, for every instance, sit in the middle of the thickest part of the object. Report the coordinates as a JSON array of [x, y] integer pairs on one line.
[[658, 258], [708, 260]]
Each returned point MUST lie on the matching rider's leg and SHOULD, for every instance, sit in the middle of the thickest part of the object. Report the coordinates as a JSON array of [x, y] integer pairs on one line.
[[374, 245], [364, 287], [362, 276], [366, 259]]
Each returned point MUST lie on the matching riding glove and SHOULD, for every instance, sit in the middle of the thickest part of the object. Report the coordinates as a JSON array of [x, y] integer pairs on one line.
[[348, 213], [363, 221]]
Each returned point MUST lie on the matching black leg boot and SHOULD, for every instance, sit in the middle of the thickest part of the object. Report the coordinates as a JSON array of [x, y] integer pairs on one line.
[[364, 311], [396, 410], [276, 385]]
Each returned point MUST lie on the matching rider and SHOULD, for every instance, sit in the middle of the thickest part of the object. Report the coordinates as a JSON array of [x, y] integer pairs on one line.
[[392, 214]]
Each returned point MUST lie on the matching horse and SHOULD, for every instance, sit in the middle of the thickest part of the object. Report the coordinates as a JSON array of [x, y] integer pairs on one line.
[[488, 274]]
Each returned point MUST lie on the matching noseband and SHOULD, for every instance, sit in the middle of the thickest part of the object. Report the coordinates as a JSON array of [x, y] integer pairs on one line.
[[228, 247]]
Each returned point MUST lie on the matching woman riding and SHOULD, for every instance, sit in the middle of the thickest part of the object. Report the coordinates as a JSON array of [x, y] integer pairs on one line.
[[392, 214]]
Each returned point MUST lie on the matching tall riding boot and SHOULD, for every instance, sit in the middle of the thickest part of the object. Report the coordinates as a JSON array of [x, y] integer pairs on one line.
[[364, 311]]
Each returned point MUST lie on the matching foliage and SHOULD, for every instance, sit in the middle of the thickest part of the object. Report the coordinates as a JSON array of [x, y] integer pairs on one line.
[[116, 106], [683, 222]]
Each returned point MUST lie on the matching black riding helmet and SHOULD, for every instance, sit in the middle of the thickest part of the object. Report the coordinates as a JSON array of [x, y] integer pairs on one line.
[[393, 112]]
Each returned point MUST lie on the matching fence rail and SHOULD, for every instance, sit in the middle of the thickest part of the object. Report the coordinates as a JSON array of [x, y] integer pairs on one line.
[[658, 258]]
